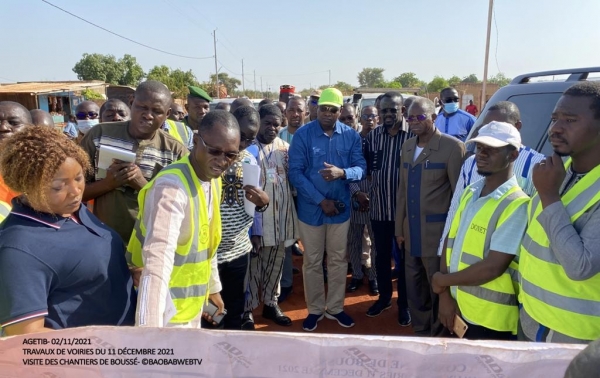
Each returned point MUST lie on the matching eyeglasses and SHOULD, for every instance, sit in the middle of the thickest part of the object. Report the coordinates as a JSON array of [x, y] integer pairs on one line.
[[417, 118], [84, 115], [368, 116], [243, 139], [389, 110], [216, 152], [327, 108], [450, 100], [314, 102]]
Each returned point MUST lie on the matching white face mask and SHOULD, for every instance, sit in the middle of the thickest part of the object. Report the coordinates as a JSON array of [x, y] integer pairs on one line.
[[84, 125]]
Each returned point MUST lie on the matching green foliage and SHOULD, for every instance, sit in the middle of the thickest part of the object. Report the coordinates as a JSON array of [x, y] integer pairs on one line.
[[472, 78], [125, 71], [454, 80], [371, 78], [500, 79], [409, 80], [176, 80], [393, 84], [89, 94], [231, 83], [344, 87], [437, 84]]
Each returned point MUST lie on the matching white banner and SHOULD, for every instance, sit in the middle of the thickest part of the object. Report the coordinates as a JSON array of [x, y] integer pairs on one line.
[[169, 352]]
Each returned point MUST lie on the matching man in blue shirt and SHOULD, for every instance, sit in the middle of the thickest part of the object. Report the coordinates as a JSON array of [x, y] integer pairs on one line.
[[453, 120], [324, 157]]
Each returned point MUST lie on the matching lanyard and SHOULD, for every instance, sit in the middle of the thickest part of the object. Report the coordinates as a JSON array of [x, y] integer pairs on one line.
[[267, 158]]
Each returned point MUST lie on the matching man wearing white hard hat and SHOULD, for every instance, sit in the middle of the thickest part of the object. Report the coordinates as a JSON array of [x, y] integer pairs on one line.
[[478, 270]]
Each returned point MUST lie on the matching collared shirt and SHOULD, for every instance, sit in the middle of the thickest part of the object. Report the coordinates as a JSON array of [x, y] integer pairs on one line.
[[71, 129], [190, 142], [118, 208], [71, 271], [456, 124], [310, 149], [506, 238], [383, 152], [523, 169], [168, 225]]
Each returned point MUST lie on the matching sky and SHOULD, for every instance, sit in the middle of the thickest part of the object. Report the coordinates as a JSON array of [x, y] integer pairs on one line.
[[301, 43]]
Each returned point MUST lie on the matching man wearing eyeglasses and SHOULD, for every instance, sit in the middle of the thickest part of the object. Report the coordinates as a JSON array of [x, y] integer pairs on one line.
[[429, 167], [453, 120], [178, 230], [115, 190], [87, 114], [382, 151], [313, 104], [325, 156]]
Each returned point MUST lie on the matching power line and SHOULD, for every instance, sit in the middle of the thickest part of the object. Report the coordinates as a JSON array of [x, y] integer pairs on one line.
[[302, 74], [123, 37], [5, 78], [227, 69]]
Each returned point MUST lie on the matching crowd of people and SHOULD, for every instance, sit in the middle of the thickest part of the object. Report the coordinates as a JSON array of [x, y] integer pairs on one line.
[[485, 231]]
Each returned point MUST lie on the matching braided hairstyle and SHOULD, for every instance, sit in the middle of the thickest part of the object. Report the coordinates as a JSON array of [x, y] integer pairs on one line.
[[30, 158]]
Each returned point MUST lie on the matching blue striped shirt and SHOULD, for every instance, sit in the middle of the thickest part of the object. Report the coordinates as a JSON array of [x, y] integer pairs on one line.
[[457, 124], [522, 168]]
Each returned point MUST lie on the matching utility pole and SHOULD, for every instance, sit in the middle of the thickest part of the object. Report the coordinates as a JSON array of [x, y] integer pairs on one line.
[[254, 83], [261, 88], [487, 55], [243, 81], [330, 78], [216, 68]]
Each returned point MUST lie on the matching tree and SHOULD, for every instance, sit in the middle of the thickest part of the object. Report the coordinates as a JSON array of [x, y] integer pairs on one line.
[[454, 80], [344, 87], [125, 71], [89, 94], [393, 84], [371, 78], [437, 84], [472, 78], [500, 79], [409, 80], [176, 80], [231, 83]]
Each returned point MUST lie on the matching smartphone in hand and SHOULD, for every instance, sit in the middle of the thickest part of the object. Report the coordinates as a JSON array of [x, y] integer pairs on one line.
[[213, 310], [460, 327]]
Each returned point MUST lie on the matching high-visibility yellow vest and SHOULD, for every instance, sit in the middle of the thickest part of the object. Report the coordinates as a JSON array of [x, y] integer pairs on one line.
[[179, 131], [192, 267], [494, 304], [4, 210], [548, 295]]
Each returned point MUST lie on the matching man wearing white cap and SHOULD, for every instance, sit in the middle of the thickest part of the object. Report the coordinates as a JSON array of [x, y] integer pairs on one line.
[[478, 274]]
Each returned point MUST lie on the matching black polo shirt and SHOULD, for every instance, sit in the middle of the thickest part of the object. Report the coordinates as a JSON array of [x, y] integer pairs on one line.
[[72, 272]]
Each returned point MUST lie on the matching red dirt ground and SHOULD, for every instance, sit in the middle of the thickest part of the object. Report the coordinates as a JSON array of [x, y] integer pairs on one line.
[[356, 305]]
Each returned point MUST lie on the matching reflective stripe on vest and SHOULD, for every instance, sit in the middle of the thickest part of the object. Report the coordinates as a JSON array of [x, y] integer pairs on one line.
[[494, 304], [4, 210], [188, 284], [550, 297], [179, 131]]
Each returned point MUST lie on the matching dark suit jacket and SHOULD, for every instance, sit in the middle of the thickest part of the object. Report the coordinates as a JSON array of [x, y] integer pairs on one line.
[[425, 191]]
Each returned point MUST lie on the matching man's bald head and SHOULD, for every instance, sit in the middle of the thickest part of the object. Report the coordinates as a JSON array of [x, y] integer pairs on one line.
[[239, 102], [177, 112], [41, 117], [154, 88], [13, 117], [87, 107]]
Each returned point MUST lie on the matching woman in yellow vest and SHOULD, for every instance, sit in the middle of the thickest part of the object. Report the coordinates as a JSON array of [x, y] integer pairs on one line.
[[560, 253], [475, 281], [178, 230]]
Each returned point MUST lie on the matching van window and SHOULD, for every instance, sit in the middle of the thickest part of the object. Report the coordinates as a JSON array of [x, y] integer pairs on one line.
[[536, 110]]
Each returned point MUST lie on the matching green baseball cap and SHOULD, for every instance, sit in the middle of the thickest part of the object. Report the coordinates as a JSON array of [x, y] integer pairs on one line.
[[331, 96], [199, 92]]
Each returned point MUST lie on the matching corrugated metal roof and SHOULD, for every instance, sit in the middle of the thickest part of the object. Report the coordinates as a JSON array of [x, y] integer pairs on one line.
[[50, 86]]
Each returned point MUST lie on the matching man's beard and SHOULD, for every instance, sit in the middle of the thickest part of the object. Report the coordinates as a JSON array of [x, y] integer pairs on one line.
[[562, 154], [484, 173]]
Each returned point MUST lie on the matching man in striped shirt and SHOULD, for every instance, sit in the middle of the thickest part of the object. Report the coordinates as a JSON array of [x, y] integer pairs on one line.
[[503, 111], [115, 190], [382, 153]]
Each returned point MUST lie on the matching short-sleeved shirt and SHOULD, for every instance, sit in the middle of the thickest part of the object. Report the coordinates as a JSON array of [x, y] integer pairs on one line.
[[71, 271], [457, 124], [119, 208]]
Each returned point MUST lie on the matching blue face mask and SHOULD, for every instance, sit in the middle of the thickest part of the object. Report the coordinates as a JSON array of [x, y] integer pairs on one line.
[[451, 107]]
